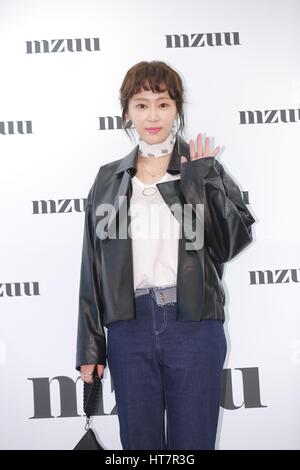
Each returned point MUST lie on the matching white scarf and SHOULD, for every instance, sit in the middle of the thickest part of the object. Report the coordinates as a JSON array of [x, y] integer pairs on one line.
[[157, 150]]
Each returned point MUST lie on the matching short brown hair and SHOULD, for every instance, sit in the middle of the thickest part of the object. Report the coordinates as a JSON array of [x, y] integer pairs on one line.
[[152, 74]]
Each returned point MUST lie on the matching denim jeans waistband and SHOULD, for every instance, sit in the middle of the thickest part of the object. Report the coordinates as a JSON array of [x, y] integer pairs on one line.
[[162, 294]]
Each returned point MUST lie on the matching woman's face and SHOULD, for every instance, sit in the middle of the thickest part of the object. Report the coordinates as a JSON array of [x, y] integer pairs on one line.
[[148, 110]]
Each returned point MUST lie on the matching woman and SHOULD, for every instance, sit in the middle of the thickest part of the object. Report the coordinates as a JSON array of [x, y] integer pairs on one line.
[[160, 298]]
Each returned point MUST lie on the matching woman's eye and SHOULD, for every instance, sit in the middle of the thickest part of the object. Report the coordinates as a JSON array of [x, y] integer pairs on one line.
[[162, 104]]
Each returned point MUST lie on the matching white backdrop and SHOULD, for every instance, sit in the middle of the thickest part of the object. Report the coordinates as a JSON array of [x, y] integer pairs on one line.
[[56, 155]]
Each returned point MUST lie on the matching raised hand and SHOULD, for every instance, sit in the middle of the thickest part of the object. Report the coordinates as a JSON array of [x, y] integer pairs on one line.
[[200, 153]]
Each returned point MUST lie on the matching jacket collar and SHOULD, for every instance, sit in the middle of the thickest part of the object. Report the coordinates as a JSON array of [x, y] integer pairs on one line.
[[129, 163]]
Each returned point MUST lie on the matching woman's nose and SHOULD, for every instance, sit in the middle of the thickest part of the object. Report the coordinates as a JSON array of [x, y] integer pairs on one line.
[[153, 113]]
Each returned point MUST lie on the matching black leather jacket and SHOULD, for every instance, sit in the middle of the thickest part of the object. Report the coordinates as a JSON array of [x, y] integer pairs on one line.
[[106, 292]]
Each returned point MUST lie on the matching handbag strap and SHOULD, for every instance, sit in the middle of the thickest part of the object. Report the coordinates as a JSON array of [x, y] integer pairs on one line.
[[91, 393]]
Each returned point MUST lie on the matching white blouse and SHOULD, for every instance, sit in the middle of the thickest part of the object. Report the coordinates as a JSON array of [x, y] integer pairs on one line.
[[154, 232]]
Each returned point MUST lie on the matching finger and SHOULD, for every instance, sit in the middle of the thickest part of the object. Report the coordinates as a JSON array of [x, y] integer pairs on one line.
[[215, 152], [88, 369], [183, 159], [199, 144], [89, 380], [192, 149], [86, 375], [207, 142], [100, 371]]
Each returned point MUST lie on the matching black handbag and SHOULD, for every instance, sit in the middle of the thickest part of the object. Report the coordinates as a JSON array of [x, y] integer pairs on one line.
[[90, 401]]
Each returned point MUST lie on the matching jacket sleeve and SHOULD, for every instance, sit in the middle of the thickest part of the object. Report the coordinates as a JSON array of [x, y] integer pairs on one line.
[[91, 342], [227, 220]]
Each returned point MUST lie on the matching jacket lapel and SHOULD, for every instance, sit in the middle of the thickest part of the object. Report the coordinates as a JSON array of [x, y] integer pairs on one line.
[[123, 194]]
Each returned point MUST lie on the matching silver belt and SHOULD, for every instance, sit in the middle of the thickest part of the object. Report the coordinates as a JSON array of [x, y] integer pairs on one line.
[[162, 294]]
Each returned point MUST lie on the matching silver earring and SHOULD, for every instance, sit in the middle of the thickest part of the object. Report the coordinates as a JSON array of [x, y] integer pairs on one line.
[[174, 129], [129, 125]]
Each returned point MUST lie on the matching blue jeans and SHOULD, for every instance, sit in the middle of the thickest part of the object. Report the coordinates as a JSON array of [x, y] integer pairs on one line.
[[158, 363]]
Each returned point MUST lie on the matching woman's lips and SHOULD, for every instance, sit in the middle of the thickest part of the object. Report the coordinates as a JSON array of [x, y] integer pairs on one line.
[[153, 130]]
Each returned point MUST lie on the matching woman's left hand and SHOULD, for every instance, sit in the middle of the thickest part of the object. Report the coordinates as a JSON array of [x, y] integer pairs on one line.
[[201, 153]]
